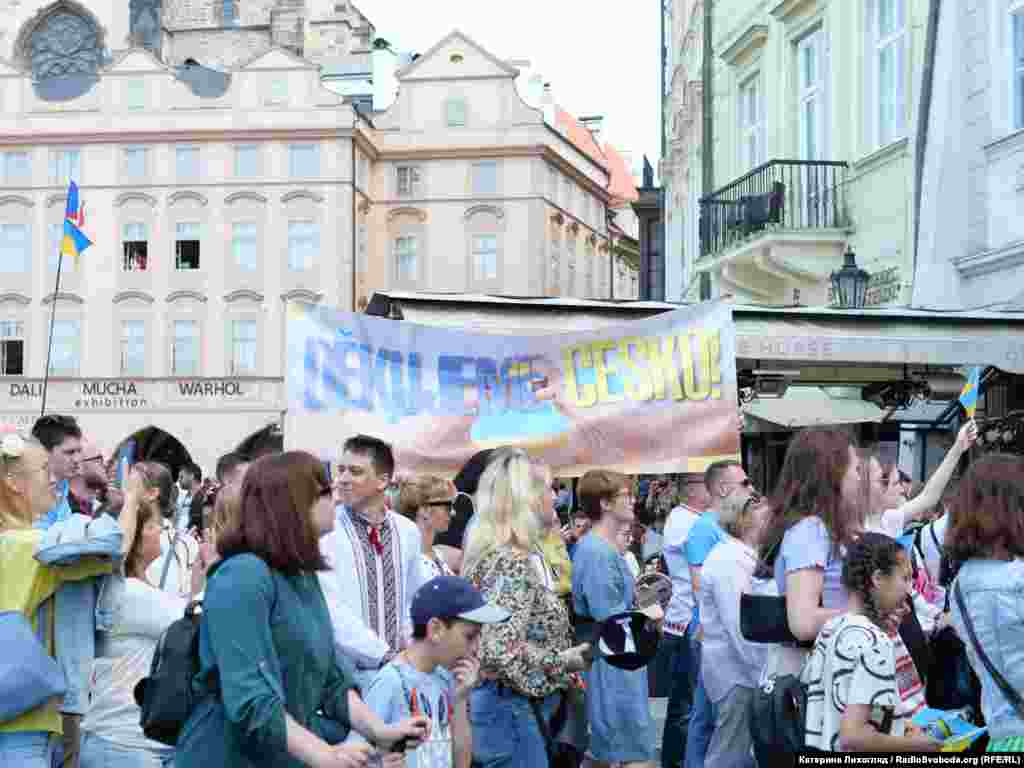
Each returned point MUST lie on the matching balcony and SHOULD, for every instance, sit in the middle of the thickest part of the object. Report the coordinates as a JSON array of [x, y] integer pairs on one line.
[[775, 234]]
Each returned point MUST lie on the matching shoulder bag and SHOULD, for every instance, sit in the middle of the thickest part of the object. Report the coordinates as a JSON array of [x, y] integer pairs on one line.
[[1008, 690], [29, 676]]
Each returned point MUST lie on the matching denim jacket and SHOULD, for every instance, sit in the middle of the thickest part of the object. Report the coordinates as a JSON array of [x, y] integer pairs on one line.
[[78, 611], [993, 591]]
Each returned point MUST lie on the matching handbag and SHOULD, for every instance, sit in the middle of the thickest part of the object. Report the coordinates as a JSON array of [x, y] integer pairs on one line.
[[561, 754], [29, 676], [1008, 691], [763, 619], [778, 718]]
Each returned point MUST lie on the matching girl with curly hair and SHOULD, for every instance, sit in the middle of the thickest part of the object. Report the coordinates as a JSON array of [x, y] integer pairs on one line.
[[853, 703]]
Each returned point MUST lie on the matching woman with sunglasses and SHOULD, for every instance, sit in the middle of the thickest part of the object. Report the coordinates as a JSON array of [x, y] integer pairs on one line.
[[429, 501], [731, 665]]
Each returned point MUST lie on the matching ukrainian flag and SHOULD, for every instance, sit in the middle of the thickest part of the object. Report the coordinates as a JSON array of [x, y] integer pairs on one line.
[[74, 241], [969, 395]]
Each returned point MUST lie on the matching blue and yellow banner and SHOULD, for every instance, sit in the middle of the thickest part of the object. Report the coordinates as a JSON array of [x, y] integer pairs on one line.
[[654, 395]]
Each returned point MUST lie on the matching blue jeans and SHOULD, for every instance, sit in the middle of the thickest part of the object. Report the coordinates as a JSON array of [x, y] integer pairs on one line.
[[680, 672], [702, 721], [27, 749], [98, 752], [505, 730]]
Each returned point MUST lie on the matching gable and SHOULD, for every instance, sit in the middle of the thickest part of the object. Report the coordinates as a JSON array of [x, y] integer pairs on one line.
[[137, 60], [438, 63], [277, 59]]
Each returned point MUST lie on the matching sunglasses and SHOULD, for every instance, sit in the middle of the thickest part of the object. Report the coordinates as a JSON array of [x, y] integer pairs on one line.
[[449, 503]]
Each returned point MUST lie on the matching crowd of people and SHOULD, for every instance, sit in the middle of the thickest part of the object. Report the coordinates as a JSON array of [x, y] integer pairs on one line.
[[354, 615]]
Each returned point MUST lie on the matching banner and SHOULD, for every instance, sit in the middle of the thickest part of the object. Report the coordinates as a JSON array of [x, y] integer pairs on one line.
[[650, 396]]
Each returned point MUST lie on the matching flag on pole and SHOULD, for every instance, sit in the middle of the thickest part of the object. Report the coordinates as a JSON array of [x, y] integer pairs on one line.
[[969, 394], [74, 241]]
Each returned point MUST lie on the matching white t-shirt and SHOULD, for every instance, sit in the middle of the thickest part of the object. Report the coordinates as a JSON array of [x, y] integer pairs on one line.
[[891, 522], [179, 572], [123, 657], [853, 662], [677, 528]]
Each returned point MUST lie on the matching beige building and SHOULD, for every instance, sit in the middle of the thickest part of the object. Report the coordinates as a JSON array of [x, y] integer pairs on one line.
[[812, 148], [222, 180]]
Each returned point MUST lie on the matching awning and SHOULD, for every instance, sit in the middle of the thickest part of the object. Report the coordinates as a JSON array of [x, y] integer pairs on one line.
[[813, 407]]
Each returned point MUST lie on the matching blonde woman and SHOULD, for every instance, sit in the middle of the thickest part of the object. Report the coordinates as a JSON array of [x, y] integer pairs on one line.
[[429, 501], [26, 494], [529, 656]]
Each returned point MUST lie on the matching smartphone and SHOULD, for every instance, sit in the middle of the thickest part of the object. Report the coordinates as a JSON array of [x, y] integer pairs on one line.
[[327, 471], [125, 458]]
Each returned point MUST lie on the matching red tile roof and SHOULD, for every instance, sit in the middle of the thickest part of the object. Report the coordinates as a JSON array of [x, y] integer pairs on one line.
[[578, 135], [621, 186]]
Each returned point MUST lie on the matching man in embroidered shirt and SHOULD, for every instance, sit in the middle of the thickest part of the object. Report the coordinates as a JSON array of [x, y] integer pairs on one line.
[[374, 561]]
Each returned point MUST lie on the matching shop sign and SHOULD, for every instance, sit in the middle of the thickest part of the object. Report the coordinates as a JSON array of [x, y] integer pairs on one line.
[[206, 388]]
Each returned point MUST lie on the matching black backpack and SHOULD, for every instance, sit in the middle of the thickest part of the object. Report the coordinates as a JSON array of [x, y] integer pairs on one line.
[[165, 697], [778, 719]]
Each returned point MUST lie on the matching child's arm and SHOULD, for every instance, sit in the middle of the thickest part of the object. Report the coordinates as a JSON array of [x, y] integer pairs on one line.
[[467, 674]]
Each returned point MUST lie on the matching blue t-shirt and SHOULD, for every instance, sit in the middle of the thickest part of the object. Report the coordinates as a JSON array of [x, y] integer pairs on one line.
[[703, 537], [390, 694], [61, 510]]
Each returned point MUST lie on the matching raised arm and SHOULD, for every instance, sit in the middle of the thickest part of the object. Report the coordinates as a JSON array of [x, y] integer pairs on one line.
[[932, 492]]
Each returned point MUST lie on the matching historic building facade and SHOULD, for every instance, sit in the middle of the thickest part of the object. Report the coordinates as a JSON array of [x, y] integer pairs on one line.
[[222, 181], [812, 147]]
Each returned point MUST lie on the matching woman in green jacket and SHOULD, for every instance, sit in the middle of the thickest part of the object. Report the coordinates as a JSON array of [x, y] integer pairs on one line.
[[268, 667]]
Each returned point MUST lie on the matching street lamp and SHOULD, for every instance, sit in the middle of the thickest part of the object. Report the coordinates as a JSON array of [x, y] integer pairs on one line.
[[850, 284]]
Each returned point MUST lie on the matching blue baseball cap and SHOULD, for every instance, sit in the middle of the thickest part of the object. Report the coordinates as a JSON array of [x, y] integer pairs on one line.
[[451, 597]]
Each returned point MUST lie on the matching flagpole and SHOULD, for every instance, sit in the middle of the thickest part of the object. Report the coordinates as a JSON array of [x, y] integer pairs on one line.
[[53, 316]]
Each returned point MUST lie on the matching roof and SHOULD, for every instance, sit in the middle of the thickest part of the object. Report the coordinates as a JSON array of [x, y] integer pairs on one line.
[[621, 186], [456, 34], [579, 136]]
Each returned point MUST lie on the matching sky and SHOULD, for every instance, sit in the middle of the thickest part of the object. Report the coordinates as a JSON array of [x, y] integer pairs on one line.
[[599, 62]]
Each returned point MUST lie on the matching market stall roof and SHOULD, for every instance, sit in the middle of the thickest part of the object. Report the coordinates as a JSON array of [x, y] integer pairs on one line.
[[767, 334], [811, 407]]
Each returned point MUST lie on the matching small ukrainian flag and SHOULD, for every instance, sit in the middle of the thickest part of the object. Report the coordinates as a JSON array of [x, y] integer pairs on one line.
[[74, 241], [969, 394]]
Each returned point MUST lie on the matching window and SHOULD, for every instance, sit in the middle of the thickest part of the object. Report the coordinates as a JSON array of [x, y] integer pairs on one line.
[[185, 349], [406, 267], [485, 178], [247, 161], [65, 166], [12, 348], [303, 161], [244, 245], [186, 162], [303, 245], [133, 348], [15, 247], [455, 113], [553, 186], [1017, 20], [17, 168], [186, 245], [751, 148], [135, 95], [408, 180], [889, 26], [66, 352], [243, 347], [135, 247], [811, 94], [134, 163], [279, 90], [485, 257]]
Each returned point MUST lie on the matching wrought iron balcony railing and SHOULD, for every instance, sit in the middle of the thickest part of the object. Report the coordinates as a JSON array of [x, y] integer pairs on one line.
[[780, 194]]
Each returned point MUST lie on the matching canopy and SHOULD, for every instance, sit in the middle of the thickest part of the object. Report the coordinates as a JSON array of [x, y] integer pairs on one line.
[[812, 407]]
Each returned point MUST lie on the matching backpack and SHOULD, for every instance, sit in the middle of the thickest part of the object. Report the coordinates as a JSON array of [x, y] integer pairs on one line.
[[778, 719], [165, 698]]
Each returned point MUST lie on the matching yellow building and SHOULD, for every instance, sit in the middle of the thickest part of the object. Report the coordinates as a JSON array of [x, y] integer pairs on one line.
[[812, 147]]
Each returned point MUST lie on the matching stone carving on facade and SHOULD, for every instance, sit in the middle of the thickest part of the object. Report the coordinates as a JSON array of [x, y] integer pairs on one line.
[[64, 44]]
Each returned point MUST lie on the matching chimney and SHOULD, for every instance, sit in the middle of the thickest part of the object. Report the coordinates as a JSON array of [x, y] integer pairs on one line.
[[594, 124]]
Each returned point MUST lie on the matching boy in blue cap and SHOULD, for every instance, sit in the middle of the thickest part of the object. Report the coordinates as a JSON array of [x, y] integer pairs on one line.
[[434, 675]]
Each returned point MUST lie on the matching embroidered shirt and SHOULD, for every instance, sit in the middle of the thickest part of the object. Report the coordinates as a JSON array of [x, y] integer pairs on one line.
[[369, 586]]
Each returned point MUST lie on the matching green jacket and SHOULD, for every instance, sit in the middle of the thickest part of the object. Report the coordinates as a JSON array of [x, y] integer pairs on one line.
[[266, 647]]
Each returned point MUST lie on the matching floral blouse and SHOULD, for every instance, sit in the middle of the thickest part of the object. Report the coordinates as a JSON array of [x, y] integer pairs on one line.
[[522, 652]]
